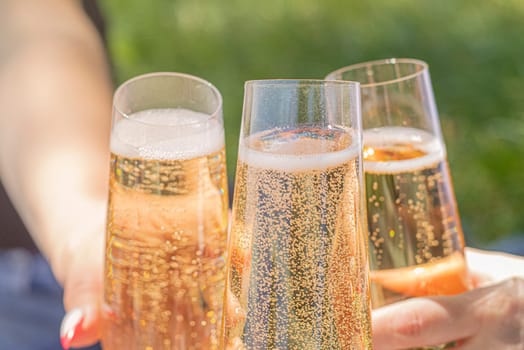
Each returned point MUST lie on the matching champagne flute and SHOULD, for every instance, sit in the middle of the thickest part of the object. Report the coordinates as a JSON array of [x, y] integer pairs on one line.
[[297, 265], [167, 216], [415, 237]]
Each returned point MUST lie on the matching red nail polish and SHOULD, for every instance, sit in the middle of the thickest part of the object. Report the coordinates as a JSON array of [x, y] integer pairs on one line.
[[66, 341], [69, 328]]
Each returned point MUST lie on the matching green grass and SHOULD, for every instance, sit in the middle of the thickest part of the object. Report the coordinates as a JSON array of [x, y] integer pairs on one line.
[[474, 50]]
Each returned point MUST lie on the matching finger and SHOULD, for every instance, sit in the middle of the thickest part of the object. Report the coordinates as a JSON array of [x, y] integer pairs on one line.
[[421, 322], [484, 315], [80, 326], [479, 279], [82, 295], [500, 311]]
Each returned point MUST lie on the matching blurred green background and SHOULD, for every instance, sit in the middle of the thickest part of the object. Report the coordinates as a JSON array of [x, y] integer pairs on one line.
[[475, 50]]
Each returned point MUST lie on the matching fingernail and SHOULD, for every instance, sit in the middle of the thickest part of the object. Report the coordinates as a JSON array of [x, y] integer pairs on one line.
[[69, 327]]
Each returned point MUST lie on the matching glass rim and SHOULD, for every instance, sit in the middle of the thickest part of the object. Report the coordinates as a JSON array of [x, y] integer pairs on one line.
[[415, 62], [312, 82], [215, 114]]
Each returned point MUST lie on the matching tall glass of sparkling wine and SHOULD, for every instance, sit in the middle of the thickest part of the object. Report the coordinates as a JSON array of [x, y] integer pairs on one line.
[[167, 216], [415, 236], [297, 269]]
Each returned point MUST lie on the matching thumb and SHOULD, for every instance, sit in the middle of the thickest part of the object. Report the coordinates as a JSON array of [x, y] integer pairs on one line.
[[82, 296], [81, 324]]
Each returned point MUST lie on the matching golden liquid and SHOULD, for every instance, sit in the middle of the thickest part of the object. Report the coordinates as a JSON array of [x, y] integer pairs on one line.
[[415, 237], [165, 268], [297, 269]]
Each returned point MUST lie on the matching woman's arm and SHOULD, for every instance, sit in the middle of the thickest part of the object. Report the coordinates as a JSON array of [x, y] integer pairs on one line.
[[55, 108]]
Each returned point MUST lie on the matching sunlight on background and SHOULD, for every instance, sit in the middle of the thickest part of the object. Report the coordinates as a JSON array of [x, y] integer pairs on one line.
[[474, 50]]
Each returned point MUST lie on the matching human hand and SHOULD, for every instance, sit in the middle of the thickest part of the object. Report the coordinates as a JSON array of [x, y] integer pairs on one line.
[[80, 273], [489, 317], [79, 269]]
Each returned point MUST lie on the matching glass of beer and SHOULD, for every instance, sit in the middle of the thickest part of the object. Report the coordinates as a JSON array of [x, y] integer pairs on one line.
[[297, 266], [167, 216], [415, 237]]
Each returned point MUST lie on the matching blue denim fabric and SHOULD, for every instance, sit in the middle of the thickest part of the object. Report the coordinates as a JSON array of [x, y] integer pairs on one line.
[[30, 303]]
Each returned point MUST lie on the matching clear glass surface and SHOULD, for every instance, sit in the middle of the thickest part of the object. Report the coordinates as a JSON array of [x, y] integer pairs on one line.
[[297, 275], [415, 236], [167, 218]]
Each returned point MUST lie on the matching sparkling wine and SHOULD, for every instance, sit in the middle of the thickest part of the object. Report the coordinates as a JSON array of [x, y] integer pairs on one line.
[[298, 275], [166, 236], [414, 229]]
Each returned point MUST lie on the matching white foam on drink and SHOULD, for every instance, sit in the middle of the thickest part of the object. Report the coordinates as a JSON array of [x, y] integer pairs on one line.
[[296, 163], [167, 133], [391, 136]]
